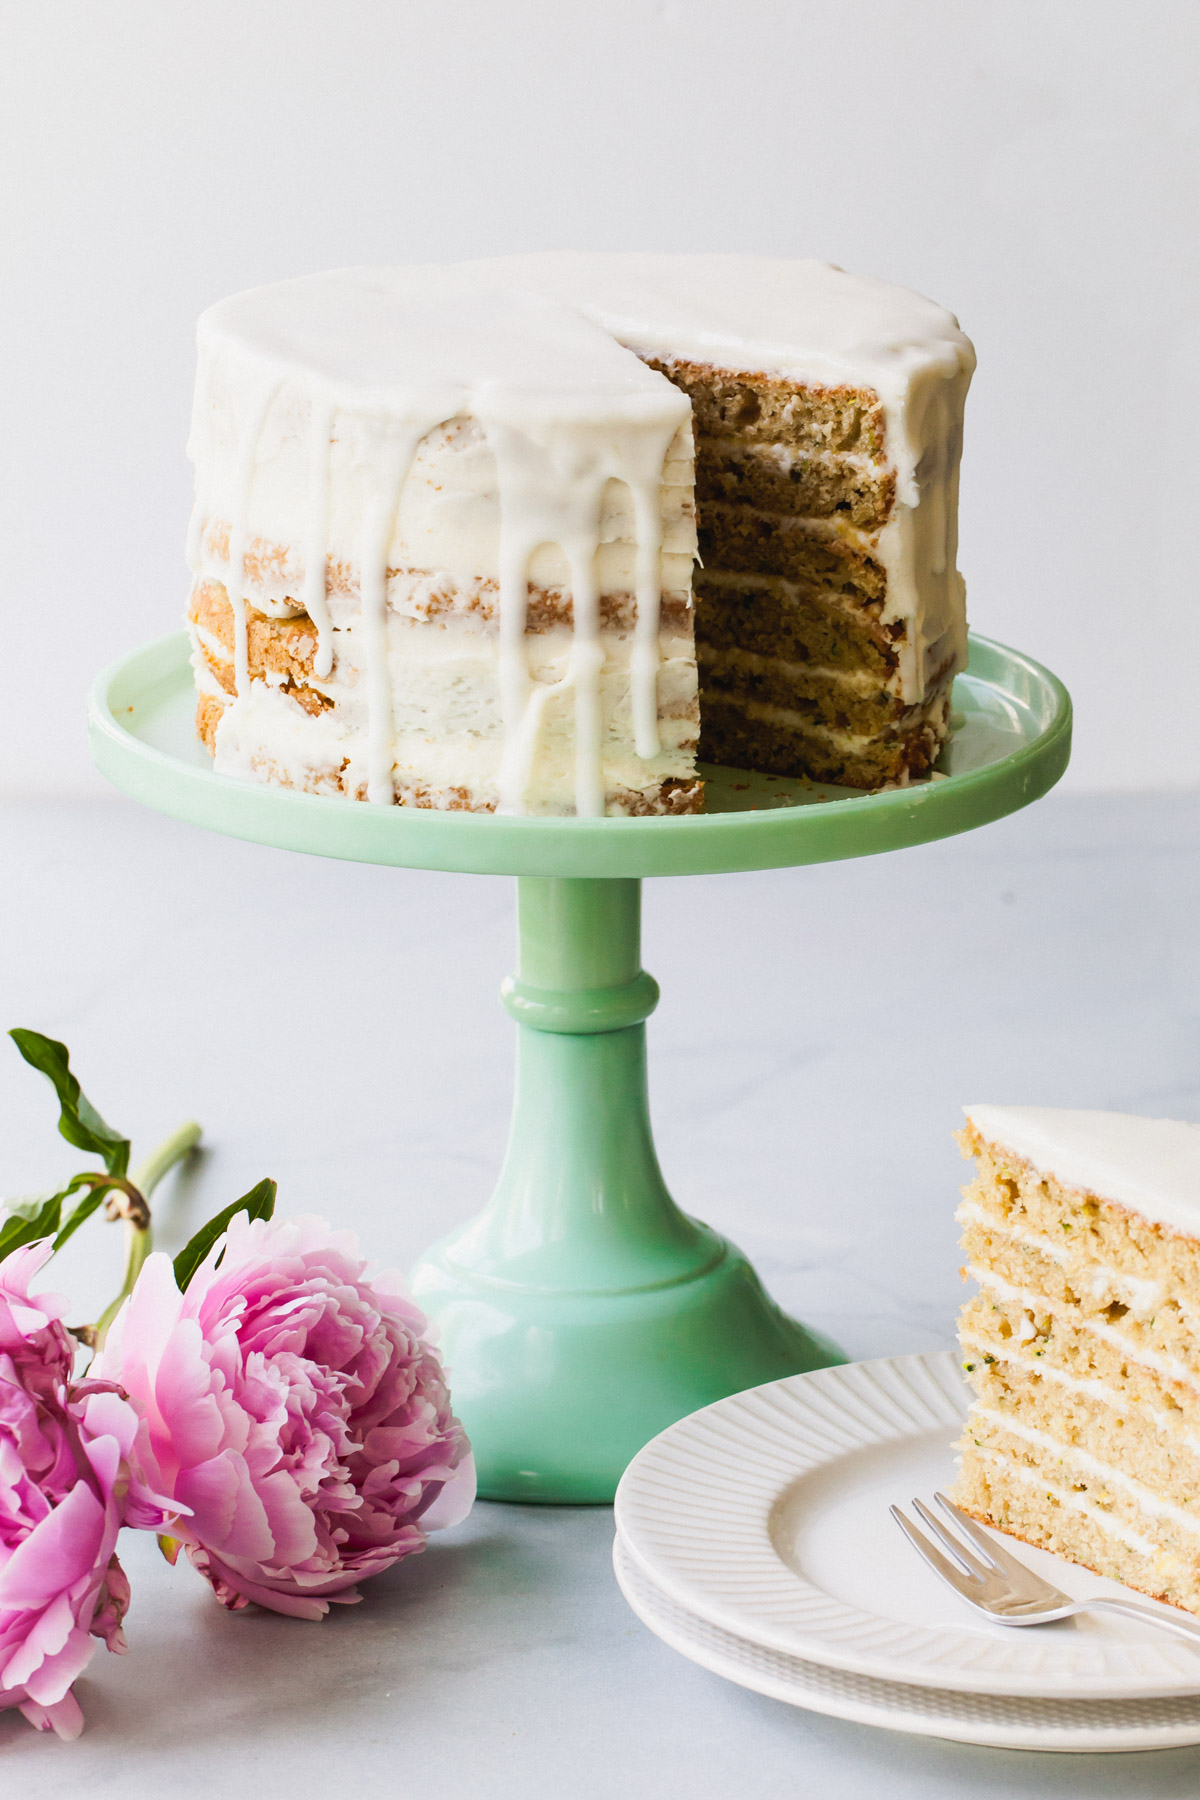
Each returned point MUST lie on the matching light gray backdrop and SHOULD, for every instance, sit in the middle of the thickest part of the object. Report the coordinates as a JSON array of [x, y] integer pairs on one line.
[[1031, 164]]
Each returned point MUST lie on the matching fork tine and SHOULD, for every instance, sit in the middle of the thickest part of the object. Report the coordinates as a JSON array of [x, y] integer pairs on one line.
[[1000, 1558], [952, 1576], [976, 1570]]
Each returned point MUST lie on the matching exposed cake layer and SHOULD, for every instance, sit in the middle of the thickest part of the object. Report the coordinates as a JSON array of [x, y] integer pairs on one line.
[[764, 408], [748, 733], [1083, 1350], [850, 700], [272, 753], [796, 492], [1053, 1512], [1018, 1324], [1148, 1315], [799, 680], [1127, 1500], [1145, 1166], [1081, 1226], [794, 483], [1078, 1250], [1086, 1420], [304, 730], [832, 558], [796, 622]]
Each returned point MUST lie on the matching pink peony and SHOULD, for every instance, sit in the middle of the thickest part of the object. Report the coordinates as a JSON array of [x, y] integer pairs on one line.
[[66, 1487], [294, 1407]]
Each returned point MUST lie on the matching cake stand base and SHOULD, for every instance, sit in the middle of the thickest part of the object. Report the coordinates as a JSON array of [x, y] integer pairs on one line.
[[559, 1393], [581, 1313]]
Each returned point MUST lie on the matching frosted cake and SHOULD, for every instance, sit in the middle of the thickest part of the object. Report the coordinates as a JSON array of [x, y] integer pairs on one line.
[[446, 521], [1082, 1345]]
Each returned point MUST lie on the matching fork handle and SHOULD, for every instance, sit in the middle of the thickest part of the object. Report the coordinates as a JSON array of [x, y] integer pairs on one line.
[[1182, 1624]]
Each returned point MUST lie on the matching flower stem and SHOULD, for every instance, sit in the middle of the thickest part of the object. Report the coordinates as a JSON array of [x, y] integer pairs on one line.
[[145, 1178], [160, 1162]]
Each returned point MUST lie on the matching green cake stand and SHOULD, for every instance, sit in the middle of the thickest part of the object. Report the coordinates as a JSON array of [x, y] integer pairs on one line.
[[582, 1312]]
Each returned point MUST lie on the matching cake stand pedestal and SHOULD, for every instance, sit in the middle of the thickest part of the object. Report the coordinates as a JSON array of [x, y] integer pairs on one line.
[[582, 1312]]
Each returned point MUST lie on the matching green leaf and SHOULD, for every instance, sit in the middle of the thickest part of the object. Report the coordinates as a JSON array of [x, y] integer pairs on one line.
[[29, 1219], [259, 1203], [42, 1215], [78, 1121], [83, 1209], [29, 1206]]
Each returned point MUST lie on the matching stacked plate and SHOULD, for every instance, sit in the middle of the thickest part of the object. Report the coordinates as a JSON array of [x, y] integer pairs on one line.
[[754, 1538]]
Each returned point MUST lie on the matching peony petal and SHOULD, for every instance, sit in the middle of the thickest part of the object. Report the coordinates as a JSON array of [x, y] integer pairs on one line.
[[227, 1513], [293, 1529], [63, 1549], [51, 1675], [107, 1413], [141, 1329], [146, 1320], [187, 1405], [19, 1267], [455, 1500], [64, 1718]]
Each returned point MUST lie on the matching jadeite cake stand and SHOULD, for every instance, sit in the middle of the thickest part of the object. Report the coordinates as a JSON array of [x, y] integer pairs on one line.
[[582, 1312]]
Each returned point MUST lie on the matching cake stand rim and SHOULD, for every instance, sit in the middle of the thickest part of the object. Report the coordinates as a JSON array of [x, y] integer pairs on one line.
[[475, 843]]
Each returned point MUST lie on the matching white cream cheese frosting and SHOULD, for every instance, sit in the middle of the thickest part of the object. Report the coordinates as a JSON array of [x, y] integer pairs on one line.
[[493, 421], [1151, 1166]]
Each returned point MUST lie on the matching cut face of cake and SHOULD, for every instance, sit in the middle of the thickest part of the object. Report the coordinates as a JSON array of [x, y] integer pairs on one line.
[[446, 521], [1082, 1345]]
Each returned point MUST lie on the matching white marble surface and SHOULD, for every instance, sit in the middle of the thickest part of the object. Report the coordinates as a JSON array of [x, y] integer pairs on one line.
[[337, 1027]]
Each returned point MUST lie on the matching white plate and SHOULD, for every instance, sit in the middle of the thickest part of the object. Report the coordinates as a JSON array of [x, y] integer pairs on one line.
[[1003, 1721], [766, 1515]]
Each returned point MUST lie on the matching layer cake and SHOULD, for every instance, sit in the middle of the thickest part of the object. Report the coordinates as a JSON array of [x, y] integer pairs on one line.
[[1082, 1345], [446, 520]]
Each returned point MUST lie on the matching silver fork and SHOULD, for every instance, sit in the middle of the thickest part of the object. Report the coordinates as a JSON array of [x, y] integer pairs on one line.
[[1007, 1590]]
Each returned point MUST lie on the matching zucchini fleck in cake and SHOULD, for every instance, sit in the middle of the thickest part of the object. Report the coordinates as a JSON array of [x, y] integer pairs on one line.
[[1082, 1345], [446, 521]]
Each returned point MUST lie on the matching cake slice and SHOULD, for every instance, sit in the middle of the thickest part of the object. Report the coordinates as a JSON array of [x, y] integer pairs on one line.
[[1082, 1346]]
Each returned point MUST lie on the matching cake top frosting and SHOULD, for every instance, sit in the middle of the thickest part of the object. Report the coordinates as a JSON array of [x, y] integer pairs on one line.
[[804, 320], [1151, 1166], [432, 340], [382, 328]]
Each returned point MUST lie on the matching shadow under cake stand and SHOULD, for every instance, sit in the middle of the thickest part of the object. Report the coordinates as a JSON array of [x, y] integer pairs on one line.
[[582, 1312]]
